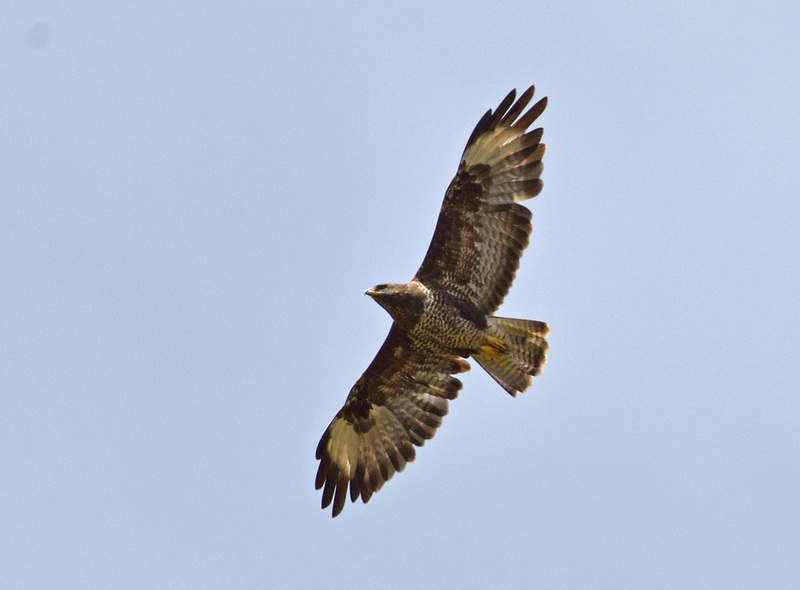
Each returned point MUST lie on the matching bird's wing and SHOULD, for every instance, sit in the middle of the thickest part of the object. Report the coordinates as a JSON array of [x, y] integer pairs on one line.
[[397, 403], [482, 229]]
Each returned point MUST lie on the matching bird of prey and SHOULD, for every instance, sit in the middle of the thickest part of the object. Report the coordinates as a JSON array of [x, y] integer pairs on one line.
[[445, 314]]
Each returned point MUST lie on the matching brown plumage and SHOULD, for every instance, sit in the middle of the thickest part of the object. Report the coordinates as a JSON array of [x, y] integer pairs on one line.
[[444, 315]]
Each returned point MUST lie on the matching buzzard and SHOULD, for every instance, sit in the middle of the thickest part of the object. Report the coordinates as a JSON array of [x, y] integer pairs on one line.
[[445, 314]]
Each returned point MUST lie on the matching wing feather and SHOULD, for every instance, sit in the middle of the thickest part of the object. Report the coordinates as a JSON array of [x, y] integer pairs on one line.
[[397, 404], [482, 229]]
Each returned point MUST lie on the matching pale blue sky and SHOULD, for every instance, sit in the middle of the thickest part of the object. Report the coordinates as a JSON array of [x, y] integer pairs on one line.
[[194, 196]]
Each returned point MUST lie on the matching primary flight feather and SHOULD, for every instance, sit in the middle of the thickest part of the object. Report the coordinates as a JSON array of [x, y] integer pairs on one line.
[[444, 315]]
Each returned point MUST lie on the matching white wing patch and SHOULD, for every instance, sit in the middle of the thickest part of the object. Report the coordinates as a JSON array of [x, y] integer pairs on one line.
[[343, 447], [492, 147]]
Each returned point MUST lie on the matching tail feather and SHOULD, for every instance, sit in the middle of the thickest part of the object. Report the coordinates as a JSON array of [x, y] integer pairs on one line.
[[515, 352]]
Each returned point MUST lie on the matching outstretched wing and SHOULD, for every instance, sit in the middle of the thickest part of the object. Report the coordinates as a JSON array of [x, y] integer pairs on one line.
[[482, 230], [397, 403]]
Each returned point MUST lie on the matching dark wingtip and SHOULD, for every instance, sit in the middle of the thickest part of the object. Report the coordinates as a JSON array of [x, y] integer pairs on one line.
[[518, 107], [533, 113], [479, 128], [341, 494], [507, 111], [322, 473], [501, 109]]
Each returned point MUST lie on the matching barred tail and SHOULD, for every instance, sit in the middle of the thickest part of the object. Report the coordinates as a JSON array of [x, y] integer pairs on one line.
[[515, 351]]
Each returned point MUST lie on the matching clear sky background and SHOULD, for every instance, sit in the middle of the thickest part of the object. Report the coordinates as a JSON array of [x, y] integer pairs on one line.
[[194, 196]]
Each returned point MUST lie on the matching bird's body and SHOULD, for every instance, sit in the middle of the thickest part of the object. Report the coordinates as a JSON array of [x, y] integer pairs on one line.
[[445, 319], [444, 315]]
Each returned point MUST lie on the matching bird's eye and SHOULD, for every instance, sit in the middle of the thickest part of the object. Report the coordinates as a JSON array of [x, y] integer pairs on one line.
[[381, 287]]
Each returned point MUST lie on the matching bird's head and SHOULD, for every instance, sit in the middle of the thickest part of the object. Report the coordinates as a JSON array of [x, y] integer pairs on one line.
[[401, 301]]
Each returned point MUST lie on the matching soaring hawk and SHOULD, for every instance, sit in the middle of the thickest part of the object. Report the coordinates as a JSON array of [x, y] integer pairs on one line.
[[444, 315]]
